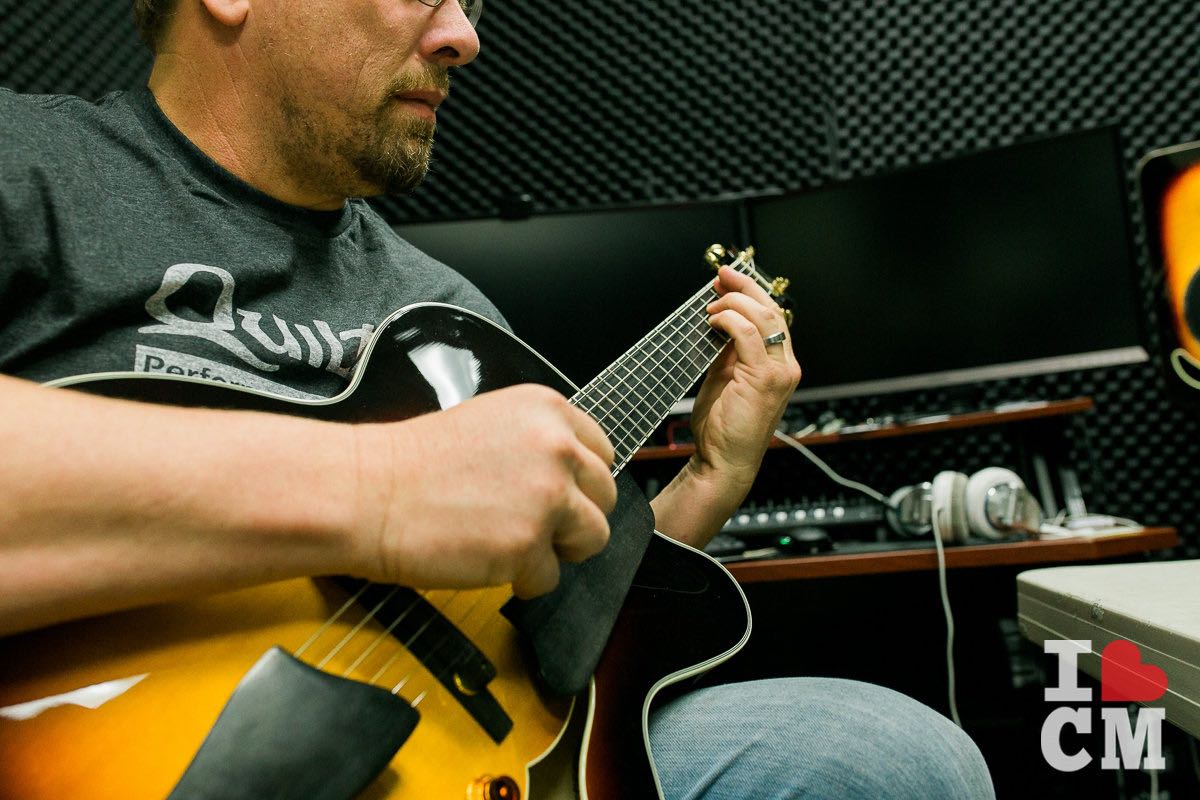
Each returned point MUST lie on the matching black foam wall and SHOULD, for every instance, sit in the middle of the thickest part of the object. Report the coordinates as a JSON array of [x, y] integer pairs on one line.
[[596, 102]]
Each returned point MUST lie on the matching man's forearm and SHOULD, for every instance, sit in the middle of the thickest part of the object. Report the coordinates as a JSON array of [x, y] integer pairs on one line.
[[106, 504], [693, 507]]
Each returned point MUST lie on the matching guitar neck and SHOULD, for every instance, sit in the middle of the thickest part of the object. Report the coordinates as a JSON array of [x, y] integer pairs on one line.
[[634, 394]]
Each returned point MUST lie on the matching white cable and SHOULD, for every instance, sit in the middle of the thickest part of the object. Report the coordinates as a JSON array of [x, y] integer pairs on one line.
[[950, 690], [937, 540], [811, 456]]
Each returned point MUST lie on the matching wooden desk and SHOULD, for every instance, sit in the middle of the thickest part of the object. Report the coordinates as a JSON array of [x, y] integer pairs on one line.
[[1048, 551]]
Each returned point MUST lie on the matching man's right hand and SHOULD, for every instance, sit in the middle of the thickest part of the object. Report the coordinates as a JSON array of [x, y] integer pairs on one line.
[[495, 490]]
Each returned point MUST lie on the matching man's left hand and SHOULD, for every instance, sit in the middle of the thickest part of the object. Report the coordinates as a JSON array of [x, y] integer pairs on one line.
[[736, 413], [747, 389]]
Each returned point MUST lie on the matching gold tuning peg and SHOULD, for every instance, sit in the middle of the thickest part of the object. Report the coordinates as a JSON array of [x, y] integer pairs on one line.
[[713, 255], [779, 286]]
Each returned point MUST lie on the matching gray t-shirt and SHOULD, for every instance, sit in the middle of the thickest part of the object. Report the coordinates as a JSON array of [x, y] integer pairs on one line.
[[123, 247]]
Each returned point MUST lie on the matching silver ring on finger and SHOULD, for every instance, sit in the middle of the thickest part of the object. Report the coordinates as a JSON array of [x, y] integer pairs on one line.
[[778, 337]]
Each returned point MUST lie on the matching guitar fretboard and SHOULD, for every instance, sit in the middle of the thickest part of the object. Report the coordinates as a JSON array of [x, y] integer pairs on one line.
[[634, 394]]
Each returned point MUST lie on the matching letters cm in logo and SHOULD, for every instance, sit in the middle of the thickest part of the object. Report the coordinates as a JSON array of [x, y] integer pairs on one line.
[[1123, 678]]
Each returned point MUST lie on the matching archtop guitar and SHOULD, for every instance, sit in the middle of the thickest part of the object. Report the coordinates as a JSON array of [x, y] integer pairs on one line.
[[332, 688]]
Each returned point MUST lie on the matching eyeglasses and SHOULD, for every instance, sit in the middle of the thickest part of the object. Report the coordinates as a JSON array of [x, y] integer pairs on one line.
[[472, 8]]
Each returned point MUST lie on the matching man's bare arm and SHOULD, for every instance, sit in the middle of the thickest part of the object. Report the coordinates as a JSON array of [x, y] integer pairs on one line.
[[107, 504]]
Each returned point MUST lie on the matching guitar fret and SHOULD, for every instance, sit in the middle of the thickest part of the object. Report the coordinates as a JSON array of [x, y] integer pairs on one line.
[[634, 394]]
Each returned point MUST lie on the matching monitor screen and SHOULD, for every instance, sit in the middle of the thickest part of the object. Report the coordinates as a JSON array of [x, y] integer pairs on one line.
[[1009, 262], [582, 288]]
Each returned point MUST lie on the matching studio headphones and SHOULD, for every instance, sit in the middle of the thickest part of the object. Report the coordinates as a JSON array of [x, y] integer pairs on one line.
[[992, 504]]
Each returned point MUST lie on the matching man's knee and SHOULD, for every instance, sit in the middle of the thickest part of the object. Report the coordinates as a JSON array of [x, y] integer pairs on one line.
[[812, 738]]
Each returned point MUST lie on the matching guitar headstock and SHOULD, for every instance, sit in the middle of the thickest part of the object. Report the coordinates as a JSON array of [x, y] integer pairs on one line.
[[719, 255]]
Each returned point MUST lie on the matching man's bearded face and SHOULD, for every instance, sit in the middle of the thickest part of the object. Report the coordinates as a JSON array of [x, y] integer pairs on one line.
[[395, 148], [383, 144]]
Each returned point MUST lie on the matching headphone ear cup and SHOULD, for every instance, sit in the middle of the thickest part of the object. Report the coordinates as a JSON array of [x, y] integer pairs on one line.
[[998, 504], [976, 497], [947, 506], [907, 511]]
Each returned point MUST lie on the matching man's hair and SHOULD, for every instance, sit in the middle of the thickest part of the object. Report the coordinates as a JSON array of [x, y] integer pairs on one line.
[[151, 17]]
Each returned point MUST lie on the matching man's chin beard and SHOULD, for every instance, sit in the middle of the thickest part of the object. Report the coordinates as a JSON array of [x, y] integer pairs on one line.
[[399, 163], [395, 178]]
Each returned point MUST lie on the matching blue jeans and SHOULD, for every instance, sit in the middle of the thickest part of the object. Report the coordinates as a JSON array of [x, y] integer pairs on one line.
[[818, 738]]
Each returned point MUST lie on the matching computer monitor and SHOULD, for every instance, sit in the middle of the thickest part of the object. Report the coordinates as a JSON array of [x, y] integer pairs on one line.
[[1004, 263], [582, 288]]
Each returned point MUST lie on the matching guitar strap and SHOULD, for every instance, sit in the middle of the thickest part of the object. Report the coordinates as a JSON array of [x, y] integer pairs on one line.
[[569, 627]]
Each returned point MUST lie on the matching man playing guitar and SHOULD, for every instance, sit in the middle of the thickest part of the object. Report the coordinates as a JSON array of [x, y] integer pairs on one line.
[[240, 168]]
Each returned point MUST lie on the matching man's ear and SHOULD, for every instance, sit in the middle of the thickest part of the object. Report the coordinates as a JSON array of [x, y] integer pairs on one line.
[[228, 12]]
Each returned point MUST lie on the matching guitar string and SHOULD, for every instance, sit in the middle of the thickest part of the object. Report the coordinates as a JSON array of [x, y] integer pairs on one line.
[[353, 631], [460, 624], [374, 679], [374, 612], [704, 293], [367, 618], [374, 643], [653, 421], [624, 384], [685, 307], [657, 349], [405, 647], [386, 631], [449, 667], [640, 433], [440, 673], [460, 621], [326, 625], [351, 601]]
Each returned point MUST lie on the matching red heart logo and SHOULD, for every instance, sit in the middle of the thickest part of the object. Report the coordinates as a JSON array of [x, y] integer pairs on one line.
[[1124, 678]]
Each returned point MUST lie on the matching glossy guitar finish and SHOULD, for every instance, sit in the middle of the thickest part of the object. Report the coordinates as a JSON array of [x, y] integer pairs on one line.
[[155, 679]]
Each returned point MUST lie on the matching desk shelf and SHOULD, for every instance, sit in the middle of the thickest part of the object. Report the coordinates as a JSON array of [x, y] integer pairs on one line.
[[1052, 408], [1041, 551]]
